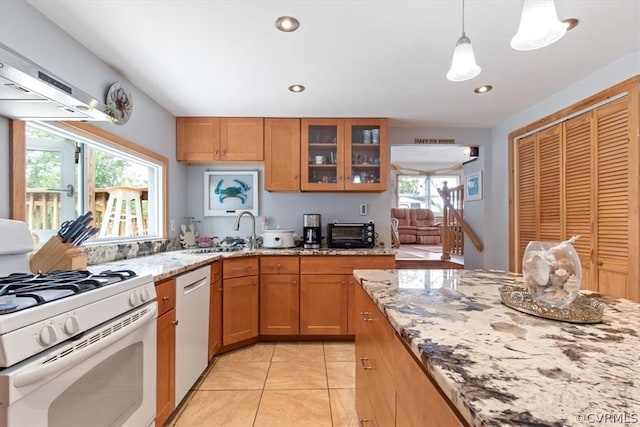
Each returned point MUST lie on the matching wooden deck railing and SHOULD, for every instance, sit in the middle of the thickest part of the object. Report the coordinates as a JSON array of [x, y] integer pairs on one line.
[[454, 227], [43, 207]]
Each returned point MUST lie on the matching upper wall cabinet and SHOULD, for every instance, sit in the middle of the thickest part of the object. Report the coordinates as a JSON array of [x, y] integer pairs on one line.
[[282, 154], [198, 139], [344, 155], [210, 139]]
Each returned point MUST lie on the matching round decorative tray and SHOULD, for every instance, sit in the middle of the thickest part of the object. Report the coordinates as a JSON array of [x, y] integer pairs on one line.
[[581, 310]]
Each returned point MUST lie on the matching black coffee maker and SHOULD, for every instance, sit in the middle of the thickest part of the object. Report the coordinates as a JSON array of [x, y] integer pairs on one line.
[[311, 231]]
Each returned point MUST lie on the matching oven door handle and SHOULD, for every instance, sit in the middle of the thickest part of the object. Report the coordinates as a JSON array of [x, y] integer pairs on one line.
[[52, 369]]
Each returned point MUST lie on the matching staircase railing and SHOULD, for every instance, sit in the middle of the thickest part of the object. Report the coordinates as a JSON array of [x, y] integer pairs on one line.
[[454, 226]]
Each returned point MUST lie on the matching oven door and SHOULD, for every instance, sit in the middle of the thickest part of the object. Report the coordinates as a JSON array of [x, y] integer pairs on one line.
[[107, 377]]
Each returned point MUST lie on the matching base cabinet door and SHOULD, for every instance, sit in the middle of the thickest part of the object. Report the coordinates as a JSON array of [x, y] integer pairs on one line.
[[165, 367], [323, 304], [240, 309], [215, 309], [279, 303], [165, 351]]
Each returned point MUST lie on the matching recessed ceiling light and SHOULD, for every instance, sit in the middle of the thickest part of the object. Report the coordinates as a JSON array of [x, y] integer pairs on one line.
[[483, 89], [571, 23], [287, 24], [296, 88]]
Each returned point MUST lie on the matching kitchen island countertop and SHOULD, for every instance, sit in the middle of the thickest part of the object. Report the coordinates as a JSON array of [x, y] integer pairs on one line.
[[171, 263], [502, 367]]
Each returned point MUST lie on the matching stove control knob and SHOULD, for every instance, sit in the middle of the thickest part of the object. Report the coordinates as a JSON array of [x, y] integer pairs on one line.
[[134, 300], [145, 295], [47, 336], [71, 325]]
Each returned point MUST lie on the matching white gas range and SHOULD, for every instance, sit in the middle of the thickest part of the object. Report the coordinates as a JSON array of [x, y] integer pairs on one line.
[[71, 341]]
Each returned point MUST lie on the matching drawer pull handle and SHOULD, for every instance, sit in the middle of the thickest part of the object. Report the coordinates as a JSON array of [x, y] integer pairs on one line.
[[166, 298], [346, 266], [365, 316], [239, 268], [364, 365]]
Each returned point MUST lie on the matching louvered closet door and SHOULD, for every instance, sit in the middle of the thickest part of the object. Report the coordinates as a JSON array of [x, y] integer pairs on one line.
[[526, 198], [549, 184], [612, 166], [579, 192]]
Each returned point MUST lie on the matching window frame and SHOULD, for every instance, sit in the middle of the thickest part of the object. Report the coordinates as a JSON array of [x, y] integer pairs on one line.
[[17, 154]]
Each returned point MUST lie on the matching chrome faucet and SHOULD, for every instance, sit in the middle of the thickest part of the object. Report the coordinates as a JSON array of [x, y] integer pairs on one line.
[[236, 226]]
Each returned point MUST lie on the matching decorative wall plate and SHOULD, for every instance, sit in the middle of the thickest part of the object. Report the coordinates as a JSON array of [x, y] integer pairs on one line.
[[581, 310], [119, 103]]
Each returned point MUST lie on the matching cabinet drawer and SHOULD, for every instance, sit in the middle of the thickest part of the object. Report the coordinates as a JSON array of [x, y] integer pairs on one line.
[[166, 291], [216, 271], [279, 265], [344, 264], [239, 267]]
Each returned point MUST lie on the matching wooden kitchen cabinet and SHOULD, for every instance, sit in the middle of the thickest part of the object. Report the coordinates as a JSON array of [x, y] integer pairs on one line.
[[165, 352], [241, 138], [211, 139], [323, 304], [198, 139], [239, 299], [279, 295], [322, 154], [391, 386], [366, 157], [340, 269], [215, 309], [343, 155], [282, 154], [374, 364]]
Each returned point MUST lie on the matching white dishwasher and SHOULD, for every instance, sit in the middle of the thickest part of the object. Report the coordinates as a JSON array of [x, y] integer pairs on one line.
[[192, 331]]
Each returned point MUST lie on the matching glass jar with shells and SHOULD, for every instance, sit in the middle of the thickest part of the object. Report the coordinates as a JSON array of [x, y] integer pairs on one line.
[[552, 272]]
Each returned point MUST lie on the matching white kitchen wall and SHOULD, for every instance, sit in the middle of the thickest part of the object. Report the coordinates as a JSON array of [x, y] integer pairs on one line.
[[28, 32], [497, 212]]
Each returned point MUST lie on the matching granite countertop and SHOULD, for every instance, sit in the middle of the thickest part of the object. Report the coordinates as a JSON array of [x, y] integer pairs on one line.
[[166, 264], [502, 367]]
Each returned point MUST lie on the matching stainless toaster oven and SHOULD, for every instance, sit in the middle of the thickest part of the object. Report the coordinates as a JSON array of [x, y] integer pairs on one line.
[[351, 235]]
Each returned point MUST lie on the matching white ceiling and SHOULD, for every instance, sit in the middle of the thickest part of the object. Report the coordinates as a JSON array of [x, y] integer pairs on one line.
[[357, 58]]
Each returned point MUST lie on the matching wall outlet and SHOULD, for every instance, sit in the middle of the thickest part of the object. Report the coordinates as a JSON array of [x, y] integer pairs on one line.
[[172, 225], [364, 209]]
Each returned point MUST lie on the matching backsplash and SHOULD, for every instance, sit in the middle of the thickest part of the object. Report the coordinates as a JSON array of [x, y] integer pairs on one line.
[[116, 252]]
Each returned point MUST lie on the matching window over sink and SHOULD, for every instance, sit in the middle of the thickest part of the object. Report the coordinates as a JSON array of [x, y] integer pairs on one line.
[[70, 168]]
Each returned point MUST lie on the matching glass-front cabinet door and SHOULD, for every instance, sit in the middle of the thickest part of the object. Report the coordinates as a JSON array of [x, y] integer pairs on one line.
[[322, 154], [366, 155]]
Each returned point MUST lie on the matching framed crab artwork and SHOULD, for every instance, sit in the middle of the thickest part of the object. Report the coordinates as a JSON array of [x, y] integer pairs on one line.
[[227, 193]]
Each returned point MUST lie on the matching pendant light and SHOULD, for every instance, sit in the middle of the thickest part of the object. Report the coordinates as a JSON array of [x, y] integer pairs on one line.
[[539, 26], [463, 64]]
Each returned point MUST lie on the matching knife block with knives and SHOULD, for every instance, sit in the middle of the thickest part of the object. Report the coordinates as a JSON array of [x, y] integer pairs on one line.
[[58, 255], [62, 252]]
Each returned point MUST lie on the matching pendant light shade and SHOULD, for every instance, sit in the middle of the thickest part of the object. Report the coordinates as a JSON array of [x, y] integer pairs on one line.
[[539, 26], [463, 64]]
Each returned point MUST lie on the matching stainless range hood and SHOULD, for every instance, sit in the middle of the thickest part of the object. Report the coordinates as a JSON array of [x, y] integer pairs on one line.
[[29, 92]]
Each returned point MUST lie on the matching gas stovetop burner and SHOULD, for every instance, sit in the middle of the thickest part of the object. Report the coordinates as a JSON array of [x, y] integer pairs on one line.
[[19, 291]]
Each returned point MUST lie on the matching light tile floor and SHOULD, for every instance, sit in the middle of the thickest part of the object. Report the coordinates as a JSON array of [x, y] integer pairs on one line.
[[276, 384]]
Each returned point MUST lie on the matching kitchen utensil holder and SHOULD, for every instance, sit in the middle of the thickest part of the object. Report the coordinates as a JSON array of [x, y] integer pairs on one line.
[[56, 255]]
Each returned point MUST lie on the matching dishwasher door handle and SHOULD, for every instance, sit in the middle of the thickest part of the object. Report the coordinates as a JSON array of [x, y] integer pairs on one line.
[[195, 286]]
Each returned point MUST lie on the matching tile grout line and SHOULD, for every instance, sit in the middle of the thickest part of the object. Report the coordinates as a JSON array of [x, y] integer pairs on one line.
[[326, 373], [264, 385]]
